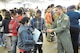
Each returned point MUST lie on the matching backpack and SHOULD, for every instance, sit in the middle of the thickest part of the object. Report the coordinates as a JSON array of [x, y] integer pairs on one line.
[[13, 26]]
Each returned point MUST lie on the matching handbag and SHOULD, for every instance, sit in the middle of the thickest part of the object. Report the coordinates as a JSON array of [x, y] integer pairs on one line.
[[51, 37]]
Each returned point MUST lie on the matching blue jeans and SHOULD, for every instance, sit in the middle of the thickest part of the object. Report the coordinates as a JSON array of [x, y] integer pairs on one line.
[[79, 39], [1, 38], [14, 43]]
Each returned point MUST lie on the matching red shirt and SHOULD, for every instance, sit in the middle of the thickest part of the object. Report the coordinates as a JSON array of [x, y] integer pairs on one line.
[[20, 18], [48, 18], [21, 50], [17, 23]]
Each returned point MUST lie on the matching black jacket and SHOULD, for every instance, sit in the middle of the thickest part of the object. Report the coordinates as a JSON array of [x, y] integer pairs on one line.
[[5, 23]]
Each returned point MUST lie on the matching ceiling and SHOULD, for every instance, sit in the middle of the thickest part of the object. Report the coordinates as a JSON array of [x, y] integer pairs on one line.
[[25, 0], [45, 2]]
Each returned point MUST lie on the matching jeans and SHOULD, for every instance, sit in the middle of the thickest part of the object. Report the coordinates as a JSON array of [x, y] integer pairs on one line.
[[74, 37], [79, 39], [14, 43], [1, 38], [39, 47], [8, 41]]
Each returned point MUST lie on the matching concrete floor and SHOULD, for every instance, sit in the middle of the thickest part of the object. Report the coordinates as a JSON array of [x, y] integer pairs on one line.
[[48, 47]]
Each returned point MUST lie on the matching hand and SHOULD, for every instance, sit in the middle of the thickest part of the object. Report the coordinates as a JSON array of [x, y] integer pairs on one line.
[[43, 31], [33, 33], [49, 30]]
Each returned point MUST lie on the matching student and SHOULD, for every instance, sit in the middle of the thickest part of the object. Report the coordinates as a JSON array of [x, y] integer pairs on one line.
[[13, 26], [1, 33], [74, 26], [7, 37], [38, 23], [48, 18], [25, 38], [61, 26], [19, 14]]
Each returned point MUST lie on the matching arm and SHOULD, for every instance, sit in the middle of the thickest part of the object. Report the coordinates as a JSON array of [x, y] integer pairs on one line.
[[54, 24], [43, 25], [3, 23], [31, 25], [79, 15], [49, 18], [25, 38], [65, 24]]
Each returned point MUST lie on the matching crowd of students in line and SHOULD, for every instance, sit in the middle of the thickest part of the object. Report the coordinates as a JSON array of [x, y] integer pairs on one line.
[[17, 28]]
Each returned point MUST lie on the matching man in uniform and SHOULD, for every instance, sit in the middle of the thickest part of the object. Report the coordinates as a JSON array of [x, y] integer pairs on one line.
[[61, 26]]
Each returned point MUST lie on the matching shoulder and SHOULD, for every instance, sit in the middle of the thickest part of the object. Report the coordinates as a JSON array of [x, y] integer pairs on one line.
[[77, 13], [42, 18], [3, 20], [21, 28], [65, 17], [32, 19]]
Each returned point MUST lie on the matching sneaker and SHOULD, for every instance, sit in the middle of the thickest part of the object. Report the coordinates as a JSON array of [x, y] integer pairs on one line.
[[9, 51], [0, 45], [3, 45]]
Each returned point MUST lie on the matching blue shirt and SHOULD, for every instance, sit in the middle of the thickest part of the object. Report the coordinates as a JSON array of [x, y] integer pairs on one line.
[[74, 17]]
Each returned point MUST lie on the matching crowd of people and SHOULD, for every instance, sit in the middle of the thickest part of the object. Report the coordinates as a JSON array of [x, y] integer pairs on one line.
[[17, 28]]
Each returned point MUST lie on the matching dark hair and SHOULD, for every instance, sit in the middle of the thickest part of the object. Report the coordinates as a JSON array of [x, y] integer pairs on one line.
[[1, 18], [48, 6], [13, 12], [25, 19], [38, 11], [15, 8], [7, 14], [3, 10], [59, 6], [72, 7], [52, 5], [19, 11]]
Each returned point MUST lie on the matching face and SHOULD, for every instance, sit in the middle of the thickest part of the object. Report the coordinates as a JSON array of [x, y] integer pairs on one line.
[[17, 15], [79, 5], [57, 11], [26, 24], [49, 10], [2, 13], [38, 15]]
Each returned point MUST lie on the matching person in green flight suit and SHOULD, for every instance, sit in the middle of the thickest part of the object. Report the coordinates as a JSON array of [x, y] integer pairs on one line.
[[61, 27]]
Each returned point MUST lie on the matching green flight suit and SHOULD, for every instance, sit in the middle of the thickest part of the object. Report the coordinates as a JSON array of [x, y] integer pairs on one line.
[[61, 26]]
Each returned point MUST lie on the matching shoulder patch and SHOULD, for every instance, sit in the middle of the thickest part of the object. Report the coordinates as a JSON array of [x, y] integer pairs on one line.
[[64, 26], [66, 18]]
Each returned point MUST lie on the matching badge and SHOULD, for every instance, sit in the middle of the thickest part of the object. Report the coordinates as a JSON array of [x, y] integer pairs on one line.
[[65, 18], [64, 26]]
